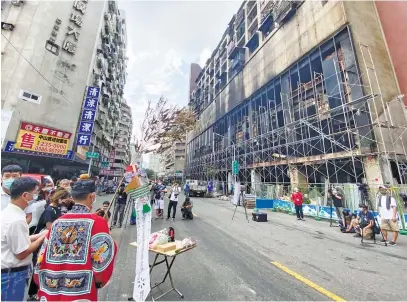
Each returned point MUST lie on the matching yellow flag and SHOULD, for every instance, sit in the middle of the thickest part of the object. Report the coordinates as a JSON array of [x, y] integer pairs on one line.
[[134, 184]]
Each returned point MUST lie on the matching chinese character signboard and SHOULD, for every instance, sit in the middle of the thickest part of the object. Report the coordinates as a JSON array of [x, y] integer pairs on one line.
[[112, 157], [33, 139], [88, 116]]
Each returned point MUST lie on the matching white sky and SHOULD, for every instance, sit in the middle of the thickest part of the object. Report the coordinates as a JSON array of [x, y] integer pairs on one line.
[[164, 38]]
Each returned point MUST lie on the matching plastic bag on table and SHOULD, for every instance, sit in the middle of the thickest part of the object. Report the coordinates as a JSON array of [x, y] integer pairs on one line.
[[188, 242], [157, 239]]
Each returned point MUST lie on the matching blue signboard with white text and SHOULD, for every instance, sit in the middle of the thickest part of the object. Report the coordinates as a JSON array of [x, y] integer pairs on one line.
[[9, 148], [88, 116]]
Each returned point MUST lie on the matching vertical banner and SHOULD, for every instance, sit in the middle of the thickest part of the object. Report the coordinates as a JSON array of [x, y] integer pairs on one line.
[[236, 195], [88, 115], [139, 190]]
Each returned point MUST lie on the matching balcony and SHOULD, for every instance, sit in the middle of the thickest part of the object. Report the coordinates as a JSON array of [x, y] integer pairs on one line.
[[285, 11]]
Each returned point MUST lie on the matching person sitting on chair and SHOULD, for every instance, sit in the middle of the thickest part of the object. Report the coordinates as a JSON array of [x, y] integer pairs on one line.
[[186, 209]]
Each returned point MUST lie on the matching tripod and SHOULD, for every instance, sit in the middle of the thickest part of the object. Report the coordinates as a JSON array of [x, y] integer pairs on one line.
[[244, 206]]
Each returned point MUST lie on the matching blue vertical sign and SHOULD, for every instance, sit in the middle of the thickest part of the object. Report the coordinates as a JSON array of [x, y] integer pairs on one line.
[[88, 116]]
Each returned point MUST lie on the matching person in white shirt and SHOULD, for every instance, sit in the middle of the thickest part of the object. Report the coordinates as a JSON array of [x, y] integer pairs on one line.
[[17, 245], [8, 174], [387, 207], [175, 191]]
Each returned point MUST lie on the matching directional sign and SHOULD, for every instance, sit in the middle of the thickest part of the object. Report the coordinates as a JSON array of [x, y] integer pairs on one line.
[[92, 155], [235, 167]]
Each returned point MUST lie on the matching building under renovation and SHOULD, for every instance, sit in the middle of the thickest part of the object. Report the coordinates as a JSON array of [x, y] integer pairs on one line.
[[301, 93]]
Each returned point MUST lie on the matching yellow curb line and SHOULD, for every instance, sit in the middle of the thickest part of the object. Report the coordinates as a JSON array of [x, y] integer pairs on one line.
[[195, 215], [311, 284]]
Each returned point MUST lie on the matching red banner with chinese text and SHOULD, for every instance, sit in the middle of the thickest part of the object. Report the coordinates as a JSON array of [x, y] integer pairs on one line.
[[42, 139]]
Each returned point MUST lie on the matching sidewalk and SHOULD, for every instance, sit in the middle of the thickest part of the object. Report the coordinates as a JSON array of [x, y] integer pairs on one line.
[[320, 229]]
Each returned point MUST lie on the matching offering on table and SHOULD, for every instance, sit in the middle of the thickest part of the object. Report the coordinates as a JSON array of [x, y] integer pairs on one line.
[[157, 239], [188, 242]]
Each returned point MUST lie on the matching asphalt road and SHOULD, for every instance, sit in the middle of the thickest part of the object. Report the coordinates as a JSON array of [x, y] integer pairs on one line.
[[233, 260]]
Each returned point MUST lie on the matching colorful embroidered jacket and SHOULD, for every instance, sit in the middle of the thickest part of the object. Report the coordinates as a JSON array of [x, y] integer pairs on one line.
[[77, 254]]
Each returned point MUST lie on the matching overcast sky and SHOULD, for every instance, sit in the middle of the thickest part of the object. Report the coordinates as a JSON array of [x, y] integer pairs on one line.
[[164, 38]]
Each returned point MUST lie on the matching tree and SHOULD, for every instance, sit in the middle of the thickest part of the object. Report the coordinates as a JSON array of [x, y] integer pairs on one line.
[[163, 125], [150, 174]]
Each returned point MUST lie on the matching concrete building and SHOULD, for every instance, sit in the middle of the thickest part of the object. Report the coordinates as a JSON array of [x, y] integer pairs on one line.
[[173, 160], [51, 51], [154, 162], [47, 54], [300, 93], [122, 145], [114, 114]]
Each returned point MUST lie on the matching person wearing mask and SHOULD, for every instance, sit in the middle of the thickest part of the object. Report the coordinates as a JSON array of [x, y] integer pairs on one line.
[[77, 257], [120, 205], [338, 204], [17, 246], [8, 175], [387, 207], [50, 214], [297, 199], [175, 191], [66, 184]]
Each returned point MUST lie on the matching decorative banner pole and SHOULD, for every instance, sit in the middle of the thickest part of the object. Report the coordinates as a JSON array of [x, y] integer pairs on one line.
[[139, 190]]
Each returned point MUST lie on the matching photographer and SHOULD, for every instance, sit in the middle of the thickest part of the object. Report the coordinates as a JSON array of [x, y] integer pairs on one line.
[[175, 191], [102, 212]]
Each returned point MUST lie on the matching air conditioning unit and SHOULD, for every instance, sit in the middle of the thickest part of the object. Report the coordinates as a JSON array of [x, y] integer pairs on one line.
[[30, 97], [17, 2]]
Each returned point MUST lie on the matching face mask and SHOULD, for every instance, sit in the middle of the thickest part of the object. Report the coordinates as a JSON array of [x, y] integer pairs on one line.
[[48, 189], [360, 209], [64, 209], [69, 189], [7, 183], [32, 201]]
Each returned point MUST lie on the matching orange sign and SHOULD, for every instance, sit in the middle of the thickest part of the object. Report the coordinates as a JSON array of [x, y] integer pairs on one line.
[[42, 139]]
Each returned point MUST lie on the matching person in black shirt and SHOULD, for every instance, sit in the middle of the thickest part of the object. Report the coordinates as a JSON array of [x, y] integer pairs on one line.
[[120, 205], [186, 209], [51, 213], [338, 203], [101, 212]]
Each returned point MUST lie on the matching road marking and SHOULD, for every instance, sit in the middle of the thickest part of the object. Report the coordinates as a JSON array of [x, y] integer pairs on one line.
[[252, 291], [195, 215], [311, 284]]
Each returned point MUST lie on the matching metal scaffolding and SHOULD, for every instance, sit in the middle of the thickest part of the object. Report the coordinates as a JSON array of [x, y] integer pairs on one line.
[[318, 129]]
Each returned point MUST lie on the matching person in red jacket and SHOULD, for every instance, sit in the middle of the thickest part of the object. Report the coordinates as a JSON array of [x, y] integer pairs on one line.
[[296, 197], [77, 256]]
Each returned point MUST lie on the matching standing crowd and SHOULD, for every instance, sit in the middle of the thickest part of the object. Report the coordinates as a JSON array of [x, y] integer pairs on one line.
[[68, 254]]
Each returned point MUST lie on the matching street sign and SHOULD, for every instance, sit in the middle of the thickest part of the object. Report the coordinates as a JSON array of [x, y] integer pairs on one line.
[[105, 164], [235, 167], [92, 155]]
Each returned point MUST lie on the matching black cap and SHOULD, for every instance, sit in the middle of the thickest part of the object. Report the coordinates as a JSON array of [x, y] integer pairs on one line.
[[84, 186]]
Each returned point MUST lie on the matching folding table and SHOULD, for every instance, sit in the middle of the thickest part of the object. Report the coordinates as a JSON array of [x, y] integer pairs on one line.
[[168, 258]]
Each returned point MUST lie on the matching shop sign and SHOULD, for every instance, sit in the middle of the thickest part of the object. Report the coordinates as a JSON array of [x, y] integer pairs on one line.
[[37, 138], [9, 148]]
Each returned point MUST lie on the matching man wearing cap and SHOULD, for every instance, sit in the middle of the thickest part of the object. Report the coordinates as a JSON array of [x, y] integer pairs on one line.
[[78, 255], [387, 207], [366, 222]]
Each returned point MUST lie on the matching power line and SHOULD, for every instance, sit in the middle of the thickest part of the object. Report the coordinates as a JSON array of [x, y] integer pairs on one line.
[[52, 86]]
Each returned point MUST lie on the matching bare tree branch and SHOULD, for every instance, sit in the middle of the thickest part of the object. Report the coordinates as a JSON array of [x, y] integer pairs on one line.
[[163, 125]]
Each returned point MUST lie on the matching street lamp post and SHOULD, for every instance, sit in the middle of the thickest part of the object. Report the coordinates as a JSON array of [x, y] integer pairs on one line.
[[93, 150]]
